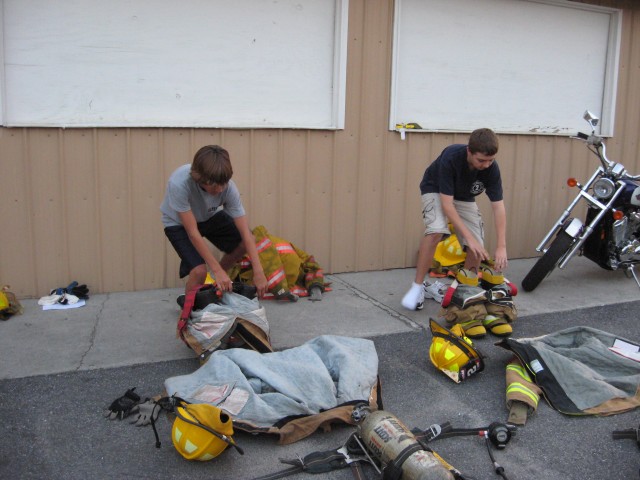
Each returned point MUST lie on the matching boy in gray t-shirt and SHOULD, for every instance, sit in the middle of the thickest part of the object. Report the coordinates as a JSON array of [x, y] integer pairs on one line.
[[201, 201]]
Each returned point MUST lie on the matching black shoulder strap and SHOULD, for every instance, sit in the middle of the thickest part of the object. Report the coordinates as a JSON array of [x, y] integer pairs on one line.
[[393, 470]]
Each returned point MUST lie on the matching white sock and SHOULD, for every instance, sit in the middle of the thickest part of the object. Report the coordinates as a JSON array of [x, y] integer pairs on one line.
[[413, 297]]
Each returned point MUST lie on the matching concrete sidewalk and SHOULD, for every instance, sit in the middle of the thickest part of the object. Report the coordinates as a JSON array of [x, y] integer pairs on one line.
[[130, 328]]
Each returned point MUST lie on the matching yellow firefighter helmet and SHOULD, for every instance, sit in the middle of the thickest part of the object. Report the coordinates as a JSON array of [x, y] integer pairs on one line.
[[4, 301], [201, 431], [449, 251], [453, 353]]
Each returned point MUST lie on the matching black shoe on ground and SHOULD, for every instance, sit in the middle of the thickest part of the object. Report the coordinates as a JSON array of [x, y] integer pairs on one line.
[[180, 300]]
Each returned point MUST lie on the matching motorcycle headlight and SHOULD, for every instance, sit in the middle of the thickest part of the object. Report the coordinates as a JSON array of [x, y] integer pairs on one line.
[[603, 188]]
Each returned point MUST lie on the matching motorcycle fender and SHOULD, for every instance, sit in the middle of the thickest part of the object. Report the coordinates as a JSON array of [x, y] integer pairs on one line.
[[573, 227]]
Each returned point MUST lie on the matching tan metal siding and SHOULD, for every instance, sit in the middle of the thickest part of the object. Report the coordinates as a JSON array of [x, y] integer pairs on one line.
[[84, 203]]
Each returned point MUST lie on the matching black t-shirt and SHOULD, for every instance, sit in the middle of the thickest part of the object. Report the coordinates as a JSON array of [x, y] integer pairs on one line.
[[450, 174]]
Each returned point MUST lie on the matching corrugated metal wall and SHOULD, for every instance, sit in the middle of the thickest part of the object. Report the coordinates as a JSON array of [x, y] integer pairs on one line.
[[83, 203]]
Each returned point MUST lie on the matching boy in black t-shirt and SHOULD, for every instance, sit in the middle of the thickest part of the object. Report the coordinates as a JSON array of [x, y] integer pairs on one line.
[[448, 188]]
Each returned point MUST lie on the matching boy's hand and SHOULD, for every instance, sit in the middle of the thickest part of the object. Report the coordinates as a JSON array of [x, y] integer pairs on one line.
[[260, 282], [477, 248], [222, 280], [501, 261]]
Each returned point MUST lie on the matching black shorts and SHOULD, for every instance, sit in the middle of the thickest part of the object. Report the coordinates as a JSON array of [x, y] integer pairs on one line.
[[219, 230]]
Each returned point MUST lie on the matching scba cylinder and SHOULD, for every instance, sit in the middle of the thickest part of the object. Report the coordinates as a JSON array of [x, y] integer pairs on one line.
[[389, 440]]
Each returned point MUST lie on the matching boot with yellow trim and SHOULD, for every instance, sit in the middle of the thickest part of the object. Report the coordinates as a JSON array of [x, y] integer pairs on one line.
[[467, 276], [473, 328], [491, 279], [501, 309], [469, 318], [464, 303], [497, 326], [464, 290]]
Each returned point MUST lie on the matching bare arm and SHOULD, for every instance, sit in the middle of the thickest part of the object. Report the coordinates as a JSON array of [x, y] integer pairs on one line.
[[259, 279], [500, 220], [452, 214]]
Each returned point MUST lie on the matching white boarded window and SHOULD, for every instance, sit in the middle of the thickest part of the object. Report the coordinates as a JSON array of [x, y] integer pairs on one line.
[[162, 63], [517, 66]]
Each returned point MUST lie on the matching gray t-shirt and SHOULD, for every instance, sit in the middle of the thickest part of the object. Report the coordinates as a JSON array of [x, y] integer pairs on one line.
[[184, 194]]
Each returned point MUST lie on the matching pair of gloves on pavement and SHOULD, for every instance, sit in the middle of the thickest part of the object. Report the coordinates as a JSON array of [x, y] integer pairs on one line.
[[68, 295], [130, 404]]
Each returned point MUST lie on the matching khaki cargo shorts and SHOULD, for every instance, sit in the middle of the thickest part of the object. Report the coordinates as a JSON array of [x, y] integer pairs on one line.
[[435, 220]]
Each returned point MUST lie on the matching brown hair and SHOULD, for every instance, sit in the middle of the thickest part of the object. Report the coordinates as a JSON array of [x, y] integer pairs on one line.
[[483, 140], [211, 165]]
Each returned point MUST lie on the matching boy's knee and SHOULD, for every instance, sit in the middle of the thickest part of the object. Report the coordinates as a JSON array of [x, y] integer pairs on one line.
[[240, 250], [198, 274], [228, 260], [237, 253]]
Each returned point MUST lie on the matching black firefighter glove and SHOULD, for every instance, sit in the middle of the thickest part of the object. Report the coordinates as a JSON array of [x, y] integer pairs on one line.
[[121, 407], [80, 291]]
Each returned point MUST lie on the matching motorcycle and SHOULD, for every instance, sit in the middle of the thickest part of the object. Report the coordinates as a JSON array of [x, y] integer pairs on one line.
[[610, 234]]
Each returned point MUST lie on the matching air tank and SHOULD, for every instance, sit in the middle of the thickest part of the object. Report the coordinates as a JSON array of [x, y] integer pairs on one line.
[[387, 438]]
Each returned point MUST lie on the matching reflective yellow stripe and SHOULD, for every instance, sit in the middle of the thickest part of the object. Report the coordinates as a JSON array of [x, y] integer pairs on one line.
[[470, 323], [519, 388], [520, 370]]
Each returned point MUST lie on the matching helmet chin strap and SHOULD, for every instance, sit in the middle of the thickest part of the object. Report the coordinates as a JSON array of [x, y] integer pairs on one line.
[[170, 404], [224, 438]]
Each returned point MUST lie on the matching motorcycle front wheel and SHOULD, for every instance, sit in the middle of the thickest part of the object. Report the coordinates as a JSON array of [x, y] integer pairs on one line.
[[547, 262]]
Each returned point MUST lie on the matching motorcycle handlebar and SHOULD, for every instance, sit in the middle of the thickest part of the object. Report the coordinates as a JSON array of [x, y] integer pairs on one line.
[[583, 136]]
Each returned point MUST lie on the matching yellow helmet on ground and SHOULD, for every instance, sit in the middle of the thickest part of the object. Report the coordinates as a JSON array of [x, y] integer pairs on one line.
[[9, 304], [201, 431], [449, 251], [4, 301], [453, 353]]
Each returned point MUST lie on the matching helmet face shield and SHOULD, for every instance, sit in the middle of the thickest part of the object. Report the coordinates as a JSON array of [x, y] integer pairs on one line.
[[452, 353]]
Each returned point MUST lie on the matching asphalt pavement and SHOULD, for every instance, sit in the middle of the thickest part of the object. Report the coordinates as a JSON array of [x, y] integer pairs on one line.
[[59, 369]]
